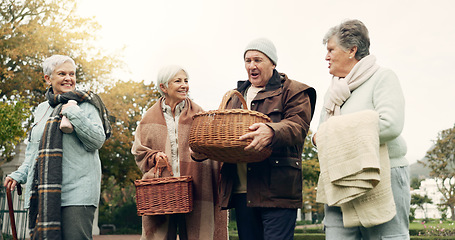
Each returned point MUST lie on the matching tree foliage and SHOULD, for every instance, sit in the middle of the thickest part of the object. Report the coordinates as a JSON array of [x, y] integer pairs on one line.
[[126, 102], [13, 112], [441, 160], [310, 162], [419, 201], [310, 174], [415, 182], [118, 207], [32, 30]]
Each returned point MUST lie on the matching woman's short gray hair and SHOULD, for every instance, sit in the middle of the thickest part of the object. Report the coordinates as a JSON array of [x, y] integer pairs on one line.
[[53, 61], [165, 74], [351, 33]]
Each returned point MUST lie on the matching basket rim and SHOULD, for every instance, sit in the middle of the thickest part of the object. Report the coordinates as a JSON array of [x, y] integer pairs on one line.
[[162, 180], [232, 111]]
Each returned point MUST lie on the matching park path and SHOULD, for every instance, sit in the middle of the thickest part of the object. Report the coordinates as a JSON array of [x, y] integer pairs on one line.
[[137, 237], [116, 237]]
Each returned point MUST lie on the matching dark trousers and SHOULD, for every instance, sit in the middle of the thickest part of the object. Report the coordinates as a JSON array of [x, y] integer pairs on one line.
[[77, 222], [254, 223], [177, 225]]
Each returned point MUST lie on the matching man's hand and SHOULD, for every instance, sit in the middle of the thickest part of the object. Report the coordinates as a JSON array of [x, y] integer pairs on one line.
[[199, 157], [262, 136]]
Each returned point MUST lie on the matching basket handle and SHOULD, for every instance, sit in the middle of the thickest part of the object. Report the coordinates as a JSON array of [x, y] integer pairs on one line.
[[160, 165], [228, 95]]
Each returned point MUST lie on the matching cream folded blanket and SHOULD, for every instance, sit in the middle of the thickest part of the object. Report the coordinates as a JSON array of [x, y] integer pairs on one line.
[[355, 169]]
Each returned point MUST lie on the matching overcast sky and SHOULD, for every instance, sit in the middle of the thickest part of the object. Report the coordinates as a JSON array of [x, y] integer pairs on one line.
[[413, 38]]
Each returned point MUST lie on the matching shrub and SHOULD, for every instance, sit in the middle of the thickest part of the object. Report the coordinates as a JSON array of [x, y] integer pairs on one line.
[[436, 230], [429, 238], [309, 236], [6, 237], [309, 230], [125, 219], [298, 236], [414, 232]]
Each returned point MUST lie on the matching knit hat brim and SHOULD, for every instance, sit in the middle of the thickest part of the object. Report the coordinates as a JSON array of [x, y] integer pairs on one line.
[[265, 46]]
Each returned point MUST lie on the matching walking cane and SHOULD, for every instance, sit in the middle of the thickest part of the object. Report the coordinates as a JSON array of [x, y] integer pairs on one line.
[[11, 209]]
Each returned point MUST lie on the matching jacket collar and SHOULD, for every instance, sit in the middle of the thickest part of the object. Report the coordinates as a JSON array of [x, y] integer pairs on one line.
[[273, 83]]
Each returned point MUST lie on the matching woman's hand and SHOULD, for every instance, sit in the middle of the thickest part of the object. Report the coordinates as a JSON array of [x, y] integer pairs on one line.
[[10, 183], [161, 162], [313, 139], [262, 136], [159, 157], [70, 103]]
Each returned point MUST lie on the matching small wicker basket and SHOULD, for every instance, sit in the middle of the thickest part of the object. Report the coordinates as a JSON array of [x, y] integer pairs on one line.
[[216, 133], [164, 195]]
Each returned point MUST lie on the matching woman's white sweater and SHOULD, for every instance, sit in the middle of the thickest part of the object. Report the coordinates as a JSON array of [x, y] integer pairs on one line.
[[382, 93]]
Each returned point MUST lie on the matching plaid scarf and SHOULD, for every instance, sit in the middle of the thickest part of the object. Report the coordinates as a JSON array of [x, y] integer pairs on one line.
[[45, 201]]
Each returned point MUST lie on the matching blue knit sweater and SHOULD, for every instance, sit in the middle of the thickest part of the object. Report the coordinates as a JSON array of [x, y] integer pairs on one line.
[[81, 164]]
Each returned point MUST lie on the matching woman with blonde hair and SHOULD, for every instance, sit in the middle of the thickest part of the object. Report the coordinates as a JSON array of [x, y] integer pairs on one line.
[[162, 139]]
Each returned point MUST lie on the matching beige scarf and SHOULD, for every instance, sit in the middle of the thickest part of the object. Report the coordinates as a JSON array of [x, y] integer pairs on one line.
[[206, 221], [341, 88]]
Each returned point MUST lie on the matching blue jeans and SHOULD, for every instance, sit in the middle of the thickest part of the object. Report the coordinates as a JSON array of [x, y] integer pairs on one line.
[[255, 223], [395, 229]]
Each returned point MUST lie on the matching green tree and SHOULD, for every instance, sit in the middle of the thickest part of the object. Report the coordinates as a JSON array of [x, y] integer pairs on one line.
[[419, 201], [441, 161], [13, 112], [32, 30], [310, 163], [126, 101], [415, 182], [118, 207], [310, 174]]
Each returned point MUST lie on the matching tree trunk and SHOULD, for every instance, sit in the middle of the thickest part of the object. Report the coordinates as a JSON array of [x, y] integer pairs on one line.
[[452, 210]]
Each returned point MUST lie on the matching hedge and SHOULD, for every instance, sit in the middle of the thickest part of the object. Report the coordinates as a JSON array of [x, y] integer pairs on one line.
[[297, 236], [321, 236]]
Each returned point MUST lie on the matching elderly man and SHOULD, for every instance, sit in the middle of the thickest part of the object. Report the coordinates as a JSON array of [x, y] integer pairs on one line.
[[266, 194]]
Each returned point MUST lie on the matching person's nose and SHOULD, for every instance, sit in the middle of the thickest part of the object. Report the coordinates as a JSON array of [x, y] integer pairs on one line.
[[327, 57], [252, 65]]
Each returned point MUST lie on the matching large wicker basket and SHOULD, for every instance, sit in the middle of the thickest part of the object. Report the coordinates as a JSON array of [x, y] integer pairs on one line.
[[216, 133], [164, 195]]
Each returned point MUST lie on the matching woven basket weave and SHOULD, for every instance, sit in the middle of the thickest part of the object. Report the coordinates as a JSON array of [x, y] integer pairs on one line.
[[216, 133], [167, 195]]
